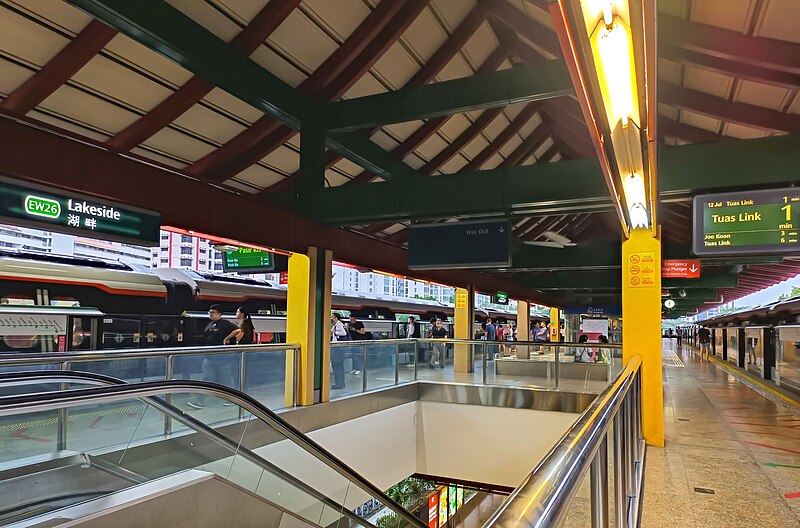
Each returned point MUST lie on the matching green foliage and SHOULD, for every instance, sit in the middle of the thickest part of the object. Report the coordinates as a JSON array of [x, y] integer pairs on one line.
[[410, 493], [391, 520]]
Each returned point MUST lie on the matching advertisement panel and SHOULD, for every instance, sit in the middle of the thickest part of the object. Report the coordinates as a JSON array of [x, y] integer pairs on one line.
[[452, 501], [443, 507], [433, 511]]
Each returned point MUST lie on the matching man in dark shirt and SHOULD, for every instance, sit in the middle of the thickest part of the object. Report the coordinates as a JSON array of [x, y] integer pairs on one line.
[[705, 343], [217, 367], [357, 333], [437, 355]]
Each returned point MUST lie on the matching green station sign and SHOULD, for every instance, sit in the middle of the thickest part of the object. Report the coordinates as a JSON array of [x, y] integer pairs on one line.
[[501, 298], [763, 222], [54, 210], [248, 260]]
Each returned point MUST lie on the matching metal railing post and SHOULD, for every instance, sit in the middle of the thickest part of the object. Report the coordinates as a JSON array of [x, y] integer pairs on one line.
[[242, 382], [62, 417], [364, 369], [416, 357], [397, 364], [598, 476], [620, 496], [295, 376], [485, 362], [630, 445], [557, 369], [169, 373]]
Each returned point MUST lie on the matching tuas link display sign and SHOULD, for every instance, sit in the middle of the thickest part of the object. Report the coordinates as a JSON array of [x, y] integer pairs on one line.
[[54, 210], [763, 222]]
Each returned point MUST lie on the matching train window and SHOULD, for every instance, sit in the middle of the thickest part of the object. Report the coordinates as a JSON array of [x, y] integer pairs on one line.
[[17, 300], [121, 333], [81, 333]]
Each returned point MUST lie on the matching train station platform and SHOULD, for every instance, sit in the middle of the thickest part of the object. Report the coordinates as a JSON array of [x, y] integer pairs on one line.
[[731, 456]]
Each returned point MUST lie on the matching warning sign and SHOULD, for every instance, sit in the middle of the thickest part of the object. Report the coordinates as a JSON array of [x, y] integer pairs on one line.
[[641, 270], [461, 300], [680, 269]]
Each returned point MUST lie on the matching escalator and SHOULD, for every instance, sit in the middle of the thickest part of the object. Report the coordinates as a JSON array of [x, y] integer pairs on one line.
[[86, 438]]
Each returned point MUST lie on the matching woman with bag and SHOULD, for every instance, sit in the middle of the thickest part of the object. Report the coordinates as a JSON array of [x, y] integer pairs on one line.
[[338, 333]]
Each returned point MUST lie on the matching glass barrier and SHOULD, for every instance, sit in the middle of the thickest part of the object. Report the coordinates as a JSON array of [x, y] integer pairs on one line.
[[360, 366], [114, 427]]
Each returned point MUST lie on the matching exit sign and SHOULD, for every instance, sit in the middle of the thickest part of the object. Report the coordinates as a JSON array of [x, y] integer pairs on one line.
[[680, 269], [501, 298]]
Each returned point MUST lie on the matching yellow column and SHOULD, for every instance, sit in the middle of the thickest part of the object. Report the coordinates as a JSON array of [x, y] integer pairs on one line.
[[464, 317], [308, 307], [523, 328], [555, 321], [641, 324]]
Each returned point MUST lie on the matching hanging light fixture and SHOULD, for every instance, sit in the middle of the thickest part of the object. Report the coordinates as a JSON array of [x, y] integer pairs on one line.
[[609, 46]]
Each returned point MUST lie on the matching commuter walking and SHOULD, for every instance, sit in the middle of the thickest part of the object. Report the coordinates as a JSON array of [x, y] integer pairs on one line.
[[490, 334], [338, 333], [437, 354], [410, 331], [216, 368], [705, 343], [679, 335], [357, 333]]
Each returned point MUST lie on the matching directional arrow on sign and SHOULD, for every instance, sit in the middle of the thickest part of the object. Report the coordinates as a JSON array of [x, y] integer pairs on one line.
[[693, 268], [502, 229]]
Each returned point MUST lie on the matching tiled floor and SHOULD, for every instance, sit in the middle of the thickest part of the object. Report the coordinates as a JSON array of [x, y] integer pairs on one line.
[[723, 436]]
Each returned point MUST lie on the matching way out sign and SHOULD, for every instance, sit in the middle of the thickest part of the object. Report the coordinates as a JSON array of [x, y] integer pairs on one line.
[[680, 269]]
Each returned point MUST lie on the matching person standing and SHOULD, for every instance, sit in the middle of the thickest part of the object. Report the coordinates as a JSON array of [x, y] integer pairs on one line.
[[357, 333], [679, 335], [411, 328], [705, 343], [338, 333], [216, 368], [247, 333], [437, 354]]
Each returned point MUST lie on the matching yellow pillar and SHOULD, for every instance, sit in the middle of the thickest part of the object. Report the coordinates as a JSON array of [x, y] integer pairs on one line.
[[464, 318], [523, 328], [641, 328], [555, 321], [308, 308]]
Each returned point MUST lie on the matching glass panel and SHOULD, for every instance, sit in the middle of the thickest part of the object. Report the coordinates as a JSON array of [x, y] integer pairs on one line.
[[347, 365], [380, 366], [99, 427], [265, 377], [127, 369], [28, 435], [408, 358]]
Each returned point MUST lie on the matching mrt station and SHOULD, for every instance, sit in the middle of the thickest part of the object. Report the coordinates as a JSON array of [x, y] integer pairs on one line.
[[615, 176]]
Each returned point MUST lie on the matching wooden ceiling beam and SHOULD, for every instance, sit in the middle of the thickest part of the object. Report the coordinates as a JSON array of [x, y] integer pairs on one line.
[[58, 70], [193, 91]]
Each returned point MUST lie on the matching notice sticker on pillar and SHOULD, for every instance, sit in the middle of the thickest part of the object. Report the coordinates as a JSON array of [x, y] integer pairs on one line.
[[640, 270], [461, 300]]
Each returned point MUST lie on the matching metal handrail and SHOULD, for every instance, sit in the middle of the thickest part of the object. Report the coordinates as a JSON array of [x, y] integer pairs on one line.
[[141, 353], [543, 498], [473, 341], [30, 403], [38, 377]]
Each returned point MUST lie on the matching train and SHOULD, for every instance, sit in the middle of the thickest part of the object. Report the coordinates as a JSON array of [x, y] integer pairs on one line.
[[764, 340], [98, 304]]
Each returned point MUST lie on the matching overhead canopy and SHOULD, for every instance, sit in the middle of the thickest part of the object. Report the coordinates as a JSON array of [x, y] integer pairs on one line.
[[433, 110]]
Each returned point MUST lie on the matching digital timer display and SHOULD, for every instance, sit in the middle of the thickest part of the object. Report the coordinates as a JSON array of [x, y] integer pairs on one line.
[[763, 222]]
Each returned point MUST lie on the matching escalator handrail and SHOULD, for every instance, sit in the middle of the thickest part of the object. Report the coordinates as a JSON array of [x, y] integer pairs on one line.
[[38, 402], [90, 378]]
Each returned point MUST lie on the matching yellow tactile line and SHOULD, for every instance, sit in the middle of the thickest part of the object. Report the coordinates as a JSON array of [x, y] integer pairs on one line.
[[750, 378]]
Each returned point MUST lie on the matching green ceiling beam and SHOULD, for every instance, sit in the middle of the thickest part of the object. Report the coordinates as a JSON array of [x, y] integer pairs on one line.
[[164, 29], [599, 256], [533, 82], [612, 280], [531, 189]]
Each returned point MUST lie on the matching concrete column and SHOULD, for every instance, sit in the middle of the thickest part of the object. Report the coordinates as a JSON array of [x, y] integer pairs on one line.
[[464, 317], [555, 321], [641, 331], [308, 308], [523, 328]]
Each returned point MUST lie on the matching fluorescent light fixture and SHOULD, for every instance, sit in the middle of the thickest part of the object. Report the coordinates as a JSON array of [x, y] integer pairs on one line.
[[638, 215], [635, 197], [613, 49]]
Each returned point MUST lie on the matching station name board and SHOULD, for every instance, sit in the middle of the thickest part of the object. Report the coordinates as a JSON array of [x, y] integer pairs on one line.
[[54, 210], [765, 221]]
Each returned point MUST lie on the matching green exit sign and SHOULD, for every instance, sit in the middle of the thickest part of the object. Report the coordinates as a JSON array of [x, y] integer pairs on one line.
[[54, 210]]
